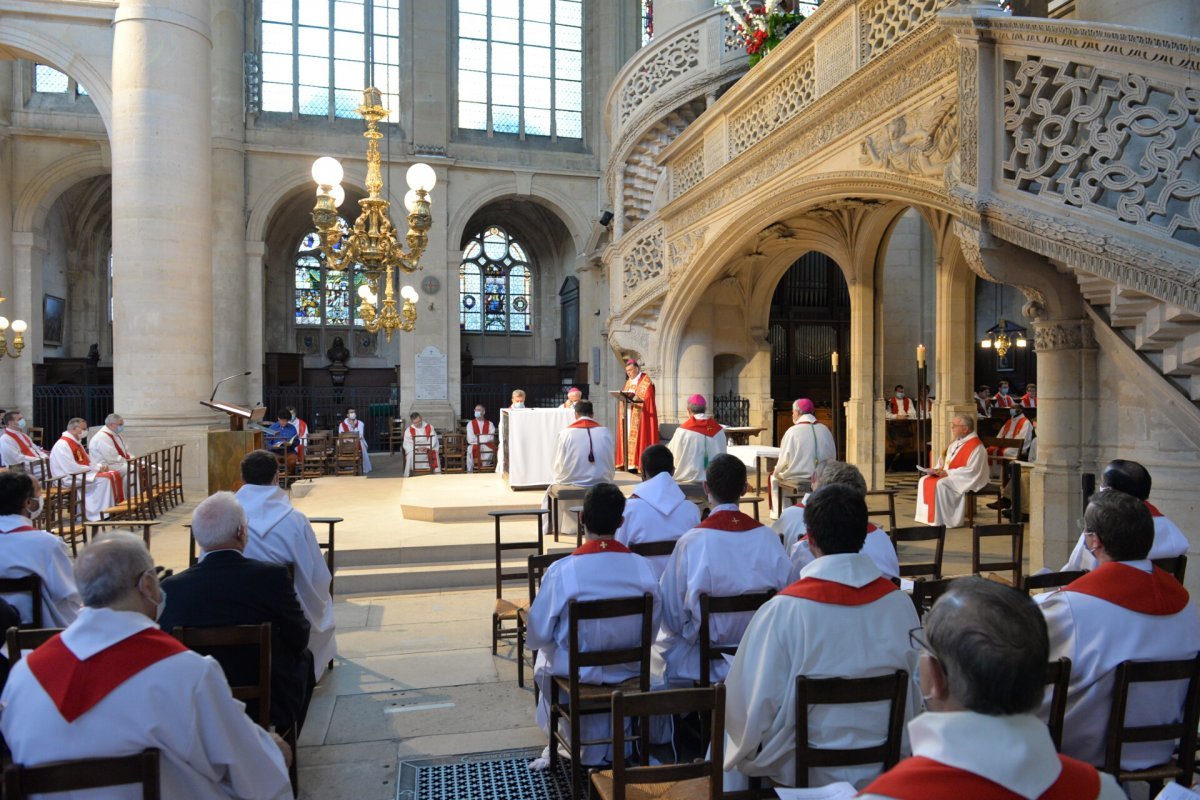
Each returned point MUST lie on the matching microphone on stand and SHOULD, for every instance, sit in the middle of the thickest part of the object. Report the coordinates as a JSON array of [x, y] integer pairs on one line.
[[231, 377]]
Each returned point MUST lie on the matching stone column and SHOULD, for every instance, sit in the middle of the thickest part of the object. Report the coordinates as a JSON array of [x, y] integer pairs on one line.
[[865, 431], [1175, 17], [162, 225], [669, 14], [28, 249], [8, 366], [955, 344], [695, 371], [255, 305]]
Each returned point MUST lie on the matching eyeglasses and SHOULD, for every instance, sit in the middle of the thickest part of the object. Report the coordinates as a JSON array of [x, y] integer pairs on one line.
[[150, 571], [917, 641]]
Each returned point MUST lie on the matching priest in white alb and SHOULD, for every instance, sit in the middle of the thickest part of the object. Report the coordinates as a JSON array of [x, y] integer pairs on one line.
[[481, 441], [104, 486], [26, 548], [106, 446], [420, 446], [574, 395], [280, 534], [941, 495], [1018, 426], [804, 445], [16, 448], [696, 442], [583, 454], [352, 424], [657, 510], [899, 406]]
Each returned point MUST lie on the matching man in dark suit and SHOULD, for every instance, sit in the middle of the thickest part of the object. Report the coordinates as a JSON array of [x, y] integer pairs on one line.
[[226, 588]]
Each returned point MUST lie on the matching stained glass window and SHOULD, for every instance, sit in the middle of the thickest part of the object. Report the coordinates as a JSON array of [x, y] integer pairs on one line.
[[647, 21], [520, 67], [325, 296], [318, 55], [495, 285]]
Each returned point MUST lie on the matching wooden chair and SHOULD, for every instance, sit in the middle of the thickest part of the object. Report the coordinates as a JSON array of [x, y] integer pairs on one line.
[[21, 782], [64, 504], [653, 549], [395, 436], [1015, 532], [31, 584], [21, 639], [316, 456], [328, 545], [1058, 677], [138, 485], [921, 533], [537, 566], [175, 481], [1050, 580], [454, 453], [559, 492], [892, 688], [347, 457], [36, 435], [716, 604], [925, 593], [586, 699], [751, 499], [889, 512], [507, 609], [1181, 766], [422, 446], [1177, 566], [699, 779], [972, 498]]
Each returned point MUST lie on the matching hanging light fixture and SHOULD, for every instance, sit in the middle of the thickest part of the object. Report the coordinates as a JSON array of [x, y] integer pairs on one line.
[[1003, 336], [19, 326]]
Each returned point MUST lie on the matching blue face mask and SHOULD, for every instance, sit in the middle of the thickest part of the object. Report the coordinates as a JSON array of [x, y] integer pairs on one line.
[[21, 423], [899, 395], [478, 415], [1003, 390], [121, 428]]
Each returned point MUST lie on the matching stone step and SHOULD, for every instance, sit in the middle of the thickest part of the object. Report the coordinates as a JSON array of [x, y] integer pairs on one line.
[[386, 570]]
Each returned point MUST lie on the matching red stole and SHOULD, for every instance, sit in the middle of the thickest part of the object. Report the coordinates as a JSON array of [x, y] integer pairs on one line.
[[1013, 429], [430, 451], [81, 457], [1156, 593], [839, 594], [1028, 400], [117, 444], [920, 778], [76, 686], [584, 422], [475, 427], [21, 529], [1154, 512], [77, 452], [895, 406], [734, 521], [929, 482], [1004, 401], [708, 427], [593, 546], [26, 450]]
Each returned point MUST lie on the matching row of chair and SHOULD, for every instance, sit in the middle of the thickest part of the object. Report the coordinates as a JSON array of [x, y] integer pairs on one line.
[[328, 453]]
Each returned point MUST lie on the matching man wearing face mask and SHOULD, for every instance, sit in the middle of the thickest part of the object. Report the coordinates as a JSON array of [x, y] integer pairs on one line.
[[899, 406], [104, 486], [113, 684], [1004, 398], [481, 441], [15, 445], [420, 446], [25, 549], [107, 446], [518, 398], [352, 424]]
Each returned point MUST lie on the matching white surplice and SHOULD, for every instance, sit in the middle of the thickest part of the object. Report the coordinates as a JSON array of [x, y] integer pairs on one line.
[[657, 512], [899, 408], [792, 636], [99, 495], [1097, 635], [1169, 542], [804, 445], [209, 748], [1014, 752], [282, 535], [711, 560], [596, 573], [356, 426], [694, 451], [950, 504], [13, 447], [44, 555], [481, 434], [1014, 428], [411, 457], [878, 545], [584, 455], [105, 447]]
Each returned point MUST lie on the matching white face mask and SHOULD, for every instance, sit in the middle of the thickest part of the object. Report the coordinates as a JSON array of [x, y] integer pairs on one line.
[[518, 404], [352, 415], [21, 423], [36, 511], [478, 415]]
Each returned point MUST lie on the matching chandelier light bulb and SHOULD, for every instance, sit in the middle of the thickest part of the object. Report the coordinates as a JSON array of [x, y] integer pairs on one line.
[[421, 176], [3, 323], [339, 195], [986, 344], [410, 200], [327, 171], [19, 326], [409, 293]]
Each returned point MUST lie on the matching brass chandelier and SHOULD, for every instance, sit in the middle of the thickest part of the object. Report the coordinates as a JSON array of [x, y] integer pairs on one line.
[[19, 327], [371, 242]]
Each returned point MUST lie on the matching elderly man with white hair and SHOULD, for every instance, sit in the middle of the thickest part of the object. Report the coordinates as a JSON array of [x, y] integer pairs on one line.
[[107, 447], [113, 684], [942, 494], [68, 457], [804, 445]]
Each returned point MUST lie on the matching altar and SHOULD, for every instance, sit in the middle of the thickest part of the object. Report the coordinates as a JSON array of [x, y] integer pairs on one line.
[[527, 439]]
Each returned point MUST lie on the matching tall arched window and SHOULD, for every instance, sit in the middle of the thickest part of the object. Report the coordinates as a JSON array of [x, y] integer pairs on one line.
[[495, 285], [325, 296]]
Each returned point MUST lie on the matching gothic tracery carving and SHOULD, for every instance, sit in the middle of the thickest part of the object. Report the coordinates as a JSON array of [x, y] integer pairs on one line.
[[680, 56], [886, 22], [643, 260]]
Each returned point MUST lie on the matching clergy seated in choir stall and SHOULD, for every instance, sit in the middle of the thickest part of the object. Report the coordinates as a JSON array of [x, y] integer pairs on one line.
[[280, 534], [983, 654], [113, 684], [574, 395], [283, 440], [518, 399], [841, 619], [790, 525], [352, 424], [1004, 398], [1029, 399], [729, 553], [1132, 478], [583, 455], [1124, 609], [657, 510], [27, 549], [481, 441], [804, 445], [696, 442], [107, 446], [301, 431], [941, 495], [983, 402], [16, 448], [899, 405], [639, 423], [421, 445], [104, 488], [601, 569], [1018, 426]]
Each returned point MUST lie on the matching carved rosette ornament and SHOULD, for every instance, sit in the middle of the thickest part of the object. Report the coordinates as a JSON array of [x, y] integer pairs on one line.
[[1058, 334]]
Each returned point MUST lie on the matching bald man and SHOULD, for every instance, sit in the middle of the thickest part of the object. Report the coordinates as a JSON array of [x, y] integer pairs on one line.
[[696, 442], [806, 444]]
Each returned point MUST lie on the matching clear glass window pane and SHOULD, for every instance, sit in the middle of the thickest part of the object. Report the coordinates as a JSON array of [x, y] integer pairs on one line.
[[472, 26], [568, 95], [537, 61], [314, 71], [569, 124], [276, 38], [346, 103], [506, 119], [48, 79], [472, 86], [348, 75], [473, 6], [347, 15], [315, 13], [79, 90], [314, 100], [505, 9], [537, 33], [506, 87], [537, 122], [277, 68], [348, 45], [277, 10], [568, 38], [538, 10], [472, 116], [537, 93], [506, 59], [567, 65], [568, 12], [472, 54], [276, 97], [387, 51], [505, 30], [314, 42]]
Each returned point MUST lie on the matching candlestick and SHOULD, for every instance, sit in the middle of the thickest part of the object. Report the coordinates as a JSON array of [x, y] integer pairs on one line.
[[920, 355], [834, 360]]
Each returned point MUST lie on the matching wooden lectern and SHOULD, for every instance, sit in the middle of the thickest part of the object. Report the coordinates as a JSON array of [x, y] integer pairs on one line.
[[226, 448], [624, 401]]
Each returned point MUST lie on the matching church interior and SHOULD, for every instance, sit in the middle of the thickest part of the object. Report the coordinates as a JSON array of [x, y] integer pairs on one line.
[[956, 206]]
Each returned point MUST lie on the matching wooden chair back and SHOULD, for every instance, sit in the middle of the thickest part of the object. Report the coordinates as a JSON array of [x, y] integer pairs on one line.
[[36, 435], [888, 511], [508, 610], [1050, 580], [18, 639], [1015, 533], [1177, 566], [717, 604], [1120, 734], [925, 593], [653, 549], [21, 782], [422, 446], [347, 459], [1058, 677], [454, 453], [177, 473], [537, 566], [63, 499], [26, 584], [395, 435], [921, 533], [218, 642], [891, 688]]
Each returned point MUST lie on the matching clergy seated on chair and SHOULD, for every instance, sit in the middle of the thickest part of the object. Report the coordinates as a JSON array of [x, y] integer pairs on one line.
[[941, 495], [1132, 478], [104, 488], [982, 668], [584, 454], [878, 545], [226, 588], [113, 684], [106, 446], [352, 424], [25, 550], [301, 431], [899, 406], [420, 446], [602, 569], [481, 441], [16, 448], [283, 440], [1124, 609], [1018, 426], [842, 619], [696, 442], [280, 534], [804, 445], [657, 511], [727, 554]]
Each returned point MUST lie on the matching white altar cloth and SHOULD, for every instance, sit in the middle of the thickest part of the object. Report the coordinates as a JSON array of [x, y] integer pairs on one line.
[[527, 438]]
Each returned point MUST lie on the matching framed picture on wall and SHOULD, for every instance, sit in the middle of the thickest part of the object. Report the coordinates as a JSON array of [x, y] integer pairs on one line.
[[54, 313]]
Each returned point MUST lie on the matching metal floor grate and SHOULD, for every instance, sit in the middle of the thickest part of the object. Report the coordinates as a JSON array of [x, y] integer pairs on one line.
[[502, 775]]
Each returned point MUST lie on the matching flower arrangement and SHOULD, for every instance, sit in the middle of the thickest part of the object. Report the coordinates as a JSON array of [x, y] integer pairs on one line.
[[761, 25]]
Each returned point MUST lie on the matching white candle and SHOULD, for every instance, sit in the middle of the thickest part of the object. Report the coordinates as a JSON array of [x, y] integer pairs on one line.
[[834, 359], [920, 355]]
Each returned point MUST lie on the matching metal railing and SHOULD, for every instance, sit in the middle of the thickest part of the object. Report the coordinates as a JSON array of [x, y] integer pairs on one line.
[[323, 408], [55, 404], [731, 410], [495, 396]]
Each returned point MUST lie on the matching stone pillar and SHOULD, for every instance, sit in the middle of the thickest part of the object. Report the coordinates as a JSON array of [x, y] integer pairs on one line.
[[254, 255], [28, 251], [1067, 399], [162, 225], [669, 14], [865, 431], [8, 366], [1175, 17], [695, 371], [955, 344]]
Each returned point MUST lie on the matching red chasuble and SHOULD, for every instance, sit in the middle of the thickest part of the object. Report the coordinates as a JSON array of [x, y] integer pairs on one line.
[[839, 594], [431, 451], [929, 482], [920, 778], [77, 686], [1155, 593], [640, 429]]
